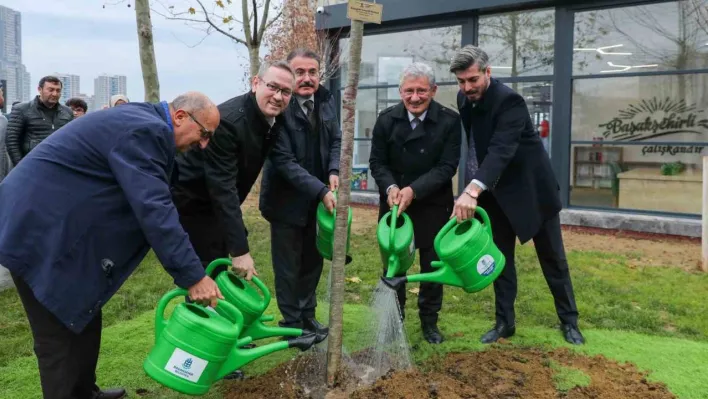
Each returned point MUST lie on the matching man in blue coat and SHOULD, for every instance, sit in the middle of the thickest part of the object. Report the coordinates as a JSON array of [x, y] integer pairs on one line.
[[80, 213]]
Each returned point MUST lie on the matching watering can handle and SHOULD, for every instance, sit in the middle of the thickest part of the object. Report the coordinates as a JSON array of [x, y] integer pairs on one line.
[[216, 263], [160, 321], [264, 291], [230, 312], [485, 219], [392, 235]]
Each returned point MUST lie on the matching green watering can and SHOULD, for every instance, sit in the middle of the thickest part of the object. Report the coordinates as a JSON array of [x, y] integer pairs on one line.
[[325, 231], [468, 257], [198, 346], [396, 242], [239, 293]]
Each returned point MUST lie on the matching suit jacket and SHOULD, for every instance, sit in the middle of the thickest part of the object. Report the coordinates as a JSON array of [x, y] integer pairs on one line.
[[288, 190], [217, 180], [83, 208], [425, 159], [512, 161]]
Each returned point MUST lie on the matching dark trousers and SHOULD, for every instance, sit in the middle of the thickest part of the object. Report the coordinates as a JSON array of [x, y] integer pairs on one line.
[[551, 254], [297, 266], [431, 294], [67, 361], [205, 234]]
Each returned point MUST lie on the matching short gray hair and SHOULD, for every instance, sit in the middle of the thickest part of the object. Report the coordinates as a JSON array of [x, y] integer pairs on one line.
[[468, 56], [418, 70], [192, 102], [280, 64]]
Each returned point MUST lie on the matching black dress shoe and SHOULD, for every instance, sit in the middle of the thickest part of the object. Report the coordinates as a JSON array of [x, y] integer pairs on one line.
[[501, 330], [431, 333], [116, 393], [572, 334], [312, 324], [235, 375]]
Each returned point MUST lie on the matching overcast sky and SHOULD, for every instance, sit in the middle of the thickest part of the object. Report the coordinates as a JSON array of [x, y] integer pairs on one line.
[[81, 37]]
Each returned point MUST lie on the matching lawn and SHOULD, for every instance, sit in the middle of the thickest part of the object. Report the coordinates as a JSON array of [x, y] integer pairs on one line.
[[652, 316]]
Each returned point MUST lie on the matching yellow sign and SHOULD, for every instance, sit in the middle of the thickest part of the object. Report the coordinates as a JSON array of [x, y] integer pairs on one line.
[[364, 11]]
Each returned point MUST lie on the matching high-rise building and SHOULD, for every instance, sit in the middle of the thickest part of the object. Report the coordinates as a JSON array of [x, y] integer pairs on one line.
[[106, 86], [11, 68], [71, 86]]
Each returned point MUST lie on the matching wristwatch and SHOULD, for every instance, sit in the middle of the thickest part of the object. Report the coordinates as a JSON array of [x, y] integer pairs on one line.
[[471, 193]]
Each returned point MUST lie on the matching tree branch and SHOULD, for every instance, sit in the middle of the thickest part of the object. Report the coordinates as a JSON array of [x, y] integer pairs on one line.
[[218, 29], [255, 23], [246, 22]]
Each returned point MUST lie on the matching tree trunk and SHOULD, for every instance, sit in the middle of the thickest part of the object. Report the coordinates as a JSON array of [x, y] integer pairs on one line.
[[254, 60], [334, 350], [147, 51]]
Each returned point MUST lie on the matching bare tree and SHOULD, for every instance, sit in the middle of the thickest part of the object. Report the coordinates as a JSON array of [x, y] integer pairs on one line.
[[296, 29], [147, 51], [334, 349], [245, 26]]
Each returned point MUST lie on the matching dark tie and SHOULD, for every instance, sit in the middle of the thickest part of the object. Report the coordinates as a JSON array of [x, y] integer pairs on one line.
[[310, 106], [414, 123]]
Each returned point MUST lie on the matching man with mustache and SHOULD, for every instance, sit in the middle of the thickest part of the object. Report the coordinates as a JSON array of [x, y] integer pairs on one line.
[[415, 151], [215, 181], [301, 172], [515, 184], [32, 122]]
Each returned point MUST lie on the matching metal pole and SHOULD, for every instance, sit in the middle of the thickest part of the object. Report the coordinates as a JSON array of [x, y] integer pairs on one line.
[[704, 234]]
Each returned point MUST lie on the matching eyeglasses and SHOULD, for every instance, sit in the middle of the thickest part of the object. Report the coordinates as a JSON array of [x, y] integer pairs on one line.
[[205, 133], [275, 88], [419, 92]]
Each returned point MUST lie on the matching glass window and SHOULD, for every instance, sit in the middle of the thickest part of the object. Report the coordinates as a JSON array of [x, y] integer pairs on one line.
[[539, 102], [369, 103], [519, 43], [656, 37], [384, 56], [637, 142]]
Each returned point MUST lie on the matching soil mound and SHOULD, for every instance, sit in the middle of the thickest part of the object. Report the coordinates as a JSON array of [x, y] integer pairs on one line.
[[497, 373]]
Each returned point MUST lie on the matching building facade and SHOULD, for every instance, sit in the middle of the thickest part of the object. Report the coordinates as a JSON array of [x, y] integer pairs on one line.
[[106, 86], [617, 89], [11, 68], [71, 86]]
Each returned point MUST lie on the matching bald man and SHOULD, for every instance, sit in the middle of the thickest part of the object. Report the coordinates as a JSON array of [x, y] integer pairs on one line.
[[79, 214]]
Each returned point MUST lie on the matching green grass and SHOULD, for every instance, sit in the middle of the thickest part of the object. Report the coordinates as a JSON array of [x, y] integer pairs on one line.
[[651, 316], [566, 378]]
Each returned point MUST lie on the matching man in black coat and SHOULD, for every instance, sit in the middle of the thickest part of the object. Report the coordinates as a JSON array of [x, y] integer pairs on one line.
[[32, 122], [214, 182], [515, 184], [301, 172], [415, 151]]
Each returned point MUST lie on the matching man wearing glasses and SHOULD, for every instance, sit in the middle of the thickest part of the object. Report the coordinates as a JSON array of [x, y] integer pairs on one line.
[[301, 172], [415, 152], [213, 182]]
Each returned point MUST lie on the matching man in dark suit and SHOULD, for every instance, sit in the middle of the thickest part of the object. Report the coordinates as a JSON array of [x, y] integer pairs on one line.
[[301, 172], [515, 184], [414, 155], [79, 214]]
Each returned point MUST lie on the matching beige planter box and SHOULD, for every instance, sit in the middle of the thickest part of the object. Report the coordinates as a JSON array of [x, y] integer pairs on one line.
[[648, 189]]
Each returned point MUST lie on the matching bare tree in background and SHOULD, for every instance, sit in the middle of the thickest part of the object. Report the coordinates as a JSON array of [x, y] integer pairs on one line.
[[297, 29], [334, 349], [244, 22], [147, 51]]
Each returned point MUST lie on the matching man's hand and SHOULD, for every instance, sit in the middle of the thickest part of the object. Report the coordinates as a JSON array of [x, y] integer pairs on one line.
[[333, 182], [329, 201], [205, 292], [405, 198], [393, 196], [464, 208], [243, 266]]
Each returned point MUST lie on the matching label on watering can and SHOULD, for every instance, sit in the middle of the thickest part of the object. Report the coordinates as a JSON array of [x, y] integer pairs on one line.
[[186, 365], [486, 265], [411, 248]]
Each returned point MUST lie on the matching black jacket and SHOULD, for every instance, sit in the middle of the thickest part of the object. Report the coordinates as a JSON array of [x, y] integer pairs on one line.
[[425, 159], [219, 178], [512, 161], [288, 191], [30, 123]]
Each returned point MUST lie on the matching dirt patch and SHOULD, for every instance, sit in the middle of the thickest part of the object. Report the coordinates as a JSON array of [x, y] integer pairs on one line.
[[495, 373]]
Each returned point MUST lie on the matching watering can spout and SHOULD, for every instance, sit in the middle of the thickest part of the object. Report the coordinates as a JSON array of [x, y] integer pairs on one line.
[[444, 275], [394, 282]]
